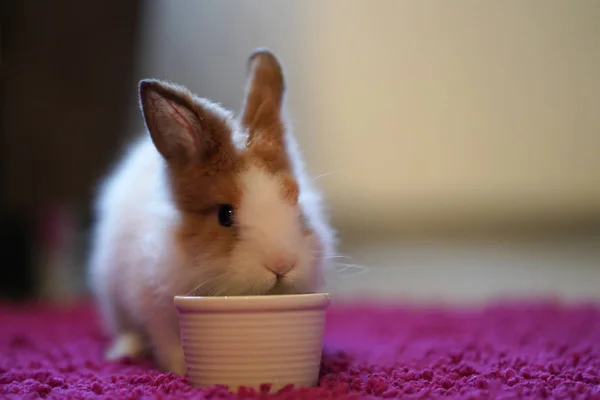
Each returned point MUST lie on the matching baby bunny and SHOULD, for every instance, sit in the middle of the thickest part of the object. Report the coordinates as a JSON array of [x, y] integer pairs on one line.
[[204, 204]]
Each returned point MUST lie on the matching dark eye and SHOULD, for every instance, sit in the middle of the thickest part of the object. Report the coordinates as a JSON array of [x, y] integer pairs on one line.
[[226, 215]]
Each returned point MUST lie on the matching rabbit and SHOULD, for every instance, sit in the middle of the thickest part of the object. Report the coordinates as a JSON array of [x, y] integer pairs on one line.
[[205, 203]]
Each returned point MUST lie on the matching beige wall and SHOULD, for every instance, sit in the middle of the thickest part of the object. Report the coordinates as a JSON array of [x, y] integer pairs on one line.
[[422, 109]]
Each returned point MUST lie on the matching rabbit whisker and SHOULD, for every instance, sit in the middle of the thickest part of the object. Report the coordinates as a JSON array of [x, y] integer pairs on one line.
[[325, 174]]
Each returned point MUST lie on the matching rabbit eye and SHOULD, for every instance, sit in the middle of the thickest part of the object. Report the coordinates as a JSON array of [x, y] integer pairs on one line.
[[225, 215]]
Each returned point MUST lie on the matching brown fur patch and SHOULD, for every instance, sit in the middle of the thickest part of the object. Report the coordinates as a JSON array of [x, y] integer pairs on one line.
[[202, 172], [271, 156], [290, 189], [199, 191]]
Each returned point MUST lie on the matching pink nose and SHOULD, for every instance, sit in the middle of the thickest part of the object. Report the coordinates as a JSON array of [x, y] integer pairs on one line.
[[280, 266]]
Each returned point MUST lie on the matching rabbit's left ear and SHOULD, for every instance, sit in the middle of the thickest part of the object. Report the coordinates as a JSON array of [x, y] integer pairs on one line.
[[262, 111], [265, 87]]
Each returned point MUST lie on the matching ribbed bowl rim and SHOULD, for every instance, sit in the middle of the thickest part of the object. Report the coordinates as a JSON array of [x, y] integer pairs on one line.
[[285, 302]]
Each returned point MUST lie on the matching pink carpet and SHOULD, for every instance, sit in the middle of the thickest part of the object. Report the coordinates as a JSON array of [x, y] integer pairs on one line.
[[541, 350]]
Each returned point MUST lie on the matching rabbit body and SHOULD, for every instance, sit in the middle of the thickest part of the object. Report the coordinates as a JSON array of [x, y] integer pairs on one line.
[[204, 204]]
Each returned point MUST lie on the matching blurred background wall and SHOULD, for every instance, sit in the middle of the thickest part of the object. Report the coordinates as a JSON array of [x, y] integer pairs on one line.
[[67, 69], [423, 111], [457, 142]]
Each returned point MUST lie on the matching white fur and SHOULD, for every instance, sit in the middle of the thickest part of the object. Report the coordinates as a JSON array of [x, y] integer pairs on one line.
[[137, 265], [271, 234], [135, 262]]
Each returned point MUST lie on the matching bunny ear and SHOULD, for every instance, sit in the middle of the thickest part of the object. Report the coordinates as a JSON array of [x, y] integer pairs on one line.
[[182, 129], [265, 87]]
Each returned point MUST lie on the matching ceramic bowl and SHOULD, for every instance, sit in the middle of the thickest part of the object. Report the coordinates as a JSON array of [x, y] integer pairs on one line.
[[251, 340]]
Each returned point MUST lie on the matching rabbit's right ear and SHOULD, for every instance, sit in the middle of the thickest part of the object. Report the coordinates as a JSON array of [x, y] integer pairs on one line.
[[182, 129]]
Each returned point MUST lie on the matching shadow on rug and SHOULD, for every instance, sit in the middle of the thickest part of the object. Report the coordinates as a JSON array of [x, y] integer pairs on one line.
[[519, 350]]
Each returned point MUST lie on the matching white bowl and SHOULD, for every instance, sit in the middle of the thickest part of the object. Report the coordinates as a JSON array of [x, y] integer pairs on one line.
[[250, 340]]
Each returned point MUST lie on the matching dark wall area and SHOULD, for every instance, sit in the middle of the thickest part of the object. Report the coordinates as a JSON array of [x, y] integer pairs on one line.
[[67, 68]]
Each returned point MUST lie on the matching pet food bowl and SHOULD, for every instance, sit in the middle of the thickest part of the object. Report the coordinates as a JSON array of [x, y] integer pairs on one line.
[[252, 340]]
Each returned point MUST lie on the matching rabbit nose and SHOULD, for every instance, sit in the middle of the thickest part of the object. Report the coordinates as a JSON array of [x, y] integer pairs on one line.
[[280, 267]]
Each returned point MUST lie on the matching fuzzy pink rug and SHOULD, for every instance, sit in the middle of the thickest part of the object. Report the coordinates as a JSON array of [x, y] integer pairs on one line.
[[518, 350]]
